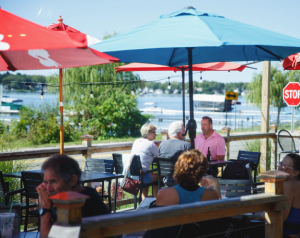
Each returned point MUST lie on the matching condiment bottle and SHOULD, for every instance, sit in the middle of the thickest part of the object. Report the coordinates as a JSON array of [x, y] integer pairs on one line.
[[208, 156]]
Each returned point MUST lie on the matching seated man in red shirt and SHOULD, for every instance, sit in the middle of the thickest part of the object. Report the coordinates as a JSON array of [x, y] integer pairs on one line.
[[210, 138]]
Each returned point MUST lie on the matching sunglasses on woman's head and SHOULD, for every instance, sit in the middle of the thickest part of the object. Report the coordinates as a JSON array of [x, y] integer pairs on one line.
[[284, 166]]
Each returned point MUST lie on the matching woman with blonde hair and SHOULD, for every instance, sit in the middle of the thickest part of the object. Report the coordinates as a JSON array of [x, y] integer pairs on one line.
[[147, 149], [189, 170]]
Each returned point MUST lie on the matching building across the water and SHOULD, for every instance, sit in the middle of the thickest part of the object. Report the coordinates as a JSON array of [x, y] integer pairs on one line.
[[212, 103]]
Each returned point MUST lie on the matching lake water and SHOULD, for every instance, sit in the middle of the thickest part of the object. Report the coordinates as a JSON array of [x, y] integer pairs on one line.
[[244, 115]]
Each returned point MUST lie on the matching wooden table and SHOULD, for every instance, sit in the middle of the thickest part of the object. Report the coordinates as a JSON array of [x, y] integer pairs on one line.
[[219, 163], [27, 234]]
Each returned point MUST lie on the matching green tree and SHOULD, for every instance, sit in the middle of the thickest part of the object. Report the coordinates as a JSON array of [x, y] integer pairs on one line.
[[112, 112], [7, 77], [278, 81]]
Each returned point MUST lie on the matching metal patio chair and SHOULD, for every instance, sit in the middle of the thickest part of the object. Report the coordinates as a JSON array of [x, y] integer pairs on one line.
[[286, 142]]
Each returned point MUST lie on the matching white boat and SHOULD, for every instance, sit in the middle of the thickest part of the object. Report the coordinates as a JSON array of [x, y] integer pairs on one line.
[[7, 99], [153, 104], [9, 105]]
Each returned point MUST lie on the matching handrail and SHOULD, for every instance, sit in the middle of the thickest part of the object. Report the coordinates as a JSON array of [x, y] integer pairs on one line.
[[122, 223], [69, 150], [107, 147]]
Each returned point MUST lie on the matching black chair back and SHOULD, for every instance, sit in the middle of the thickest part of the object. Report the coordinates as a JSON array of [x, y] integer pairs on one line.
[[4, 186], [165, 167], [31, 180], [235, 187], [136, 166], [99, 165], [118, 164], [254, 157]]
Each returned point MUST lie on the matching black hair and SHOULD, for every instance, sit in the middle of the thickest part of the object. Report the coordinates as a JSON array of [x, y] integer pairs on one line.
[[208, 118], [64, 166], [296, 162]]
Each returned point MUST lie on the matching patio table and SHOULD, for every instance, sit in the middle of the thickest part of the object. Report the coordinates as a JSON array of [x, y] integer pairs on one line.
[[28, 234], [86, 177], [219, 163]]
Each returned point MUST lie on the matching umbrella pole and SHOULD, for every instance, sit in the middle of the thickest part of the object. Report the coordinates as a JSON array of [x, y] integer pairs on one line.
[[192, 125], [183, 96], [61, 108]]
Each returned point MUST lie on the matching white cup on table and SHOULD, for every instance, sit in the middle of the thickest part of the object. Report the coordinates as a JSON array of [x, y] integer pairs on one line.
[[6, 224]]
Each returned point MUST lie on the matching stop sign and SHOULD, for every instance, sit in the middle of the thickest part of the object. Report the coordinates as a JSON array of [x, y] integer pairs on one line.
[[291, 94]]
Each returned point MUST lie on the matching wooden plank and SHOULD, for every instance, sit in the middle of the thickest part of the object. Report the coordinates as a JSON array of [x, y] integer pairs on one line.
[[109, 147], [265, 107], [274, 221], [105, 225], [166, 222], [249, 136]]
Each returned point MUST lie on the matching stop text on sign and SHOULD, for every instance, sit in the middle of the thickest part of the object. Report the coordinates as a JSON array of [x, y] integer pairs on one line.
[[291, 94]]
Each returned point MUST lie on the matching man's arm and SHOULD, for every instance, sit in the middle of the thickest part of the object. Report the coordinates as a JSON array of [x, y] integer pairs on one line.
[[220, 149], [45, 202]]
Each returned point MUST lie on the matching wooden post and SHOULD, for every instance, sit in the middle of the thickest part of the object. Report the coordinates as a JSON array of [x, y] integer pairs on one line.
[[86, 141], [226, 130], [265, 106], [274, 182], [61, 111], [69, 207], [164, 135], [274, 148]]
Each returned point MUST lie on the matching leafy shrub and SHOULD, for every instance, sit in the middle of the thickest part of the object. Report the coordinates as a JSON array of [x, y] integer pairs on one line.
[[2, 127], [9, 143], [40, 125]]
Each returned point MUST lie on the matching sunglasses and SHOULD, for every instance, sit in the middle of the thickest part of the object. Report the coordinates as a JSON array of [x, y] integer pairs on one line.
[[282, 165], [152, 132]]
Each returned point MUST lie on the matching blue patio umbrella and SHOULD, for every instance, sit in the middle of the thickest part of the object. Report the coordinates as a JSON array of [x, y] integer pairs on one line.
[[188, 37]]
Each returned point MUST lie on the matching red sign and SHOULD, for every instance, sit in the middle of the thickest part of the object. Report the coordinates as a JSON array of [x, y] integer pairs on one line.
[[291, 94]]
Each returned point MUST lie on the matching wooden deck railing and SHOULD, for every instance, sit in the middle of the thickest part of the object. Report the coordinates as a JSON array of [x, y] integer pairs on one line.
[[273, 202], [110, 225], [87, 149]]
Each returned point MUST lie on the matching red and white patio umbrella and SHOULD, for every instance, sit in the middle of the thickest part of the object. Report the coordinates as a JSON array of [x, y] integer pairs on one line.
[[292, 62], [25, 45]]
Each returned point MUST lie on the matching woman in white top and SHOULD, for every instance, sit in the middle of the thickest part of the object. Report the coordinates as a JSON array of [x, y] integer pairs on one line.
[[147, 149]]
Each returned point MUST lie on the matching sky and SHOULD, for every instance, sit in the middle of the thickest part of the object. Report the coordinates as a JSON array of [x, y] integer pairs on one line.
[[98, 18]]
